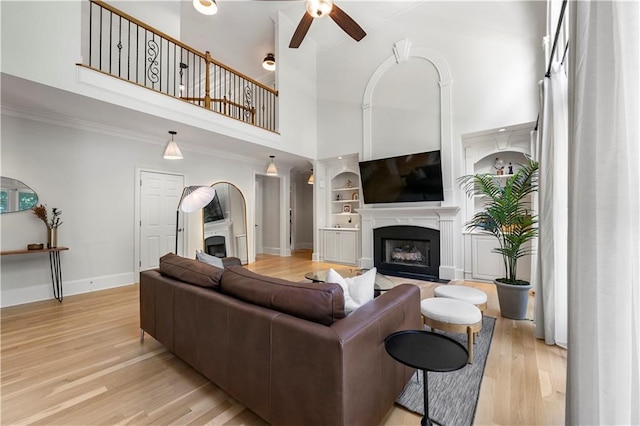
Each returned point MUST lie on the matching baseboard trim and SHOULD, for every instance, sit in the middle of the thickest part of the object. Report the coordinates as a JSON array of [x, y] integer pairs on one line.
[[36, 293]]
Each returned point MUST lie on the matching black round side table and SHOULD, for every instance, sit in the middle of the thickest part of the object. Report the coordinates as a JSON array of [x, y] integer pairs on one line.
[[426, 351]]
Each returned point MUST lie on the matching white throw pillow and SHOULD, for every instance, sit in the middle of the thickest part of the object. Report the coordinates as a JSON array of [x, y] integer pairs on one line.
[[357, 290], [207, 258]]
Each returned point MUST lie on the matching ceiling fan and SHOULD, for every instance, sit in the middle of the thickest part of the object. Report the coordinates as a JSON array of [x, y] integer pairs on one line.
[[320, 9]]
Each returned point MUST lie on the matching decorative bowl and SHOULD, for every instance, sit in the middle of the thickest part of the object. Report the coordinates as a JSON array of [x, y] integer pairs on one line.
[[35, 246]]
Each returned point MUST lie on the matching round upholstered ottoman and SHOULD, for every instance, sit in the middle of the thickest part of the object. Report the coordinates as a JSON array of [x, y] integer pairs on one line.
[[452, 315], [464, 293]]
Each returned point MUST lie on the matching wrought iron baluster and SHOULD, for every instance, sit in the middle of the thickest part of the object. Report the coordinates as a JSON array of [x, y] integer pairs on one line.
[[110, 39], [90, 32], [129, 51], [120, 47], [100, 43]]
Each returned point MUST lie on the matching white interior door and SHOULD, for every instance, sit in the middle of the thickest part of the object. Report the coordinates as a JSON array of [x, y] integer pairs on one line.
[[159, 195], [259, 190]]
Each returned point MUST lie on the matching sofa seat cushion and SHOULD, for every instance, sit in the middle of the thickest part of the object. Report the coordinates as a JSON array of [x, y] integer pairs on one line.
[[190, 271], [320, 303]]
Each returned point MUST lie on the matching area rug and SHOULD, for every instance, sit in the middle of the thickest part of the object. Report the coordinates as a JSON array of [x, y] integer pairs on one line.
[[453, 396]]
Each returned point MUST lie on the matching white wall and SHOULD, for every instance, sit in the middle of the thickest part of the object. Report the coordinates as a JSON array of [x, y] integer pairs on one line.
[[41, 40], [492, 49], [271, 211], [303, 212], [90, 176]]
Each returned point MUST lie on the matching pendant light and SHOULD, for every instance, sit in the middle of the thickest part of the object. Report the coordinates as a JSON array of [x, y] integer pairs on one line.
[[269, 62], [172, 151], [271, 168], [206, 7], [311, 178]]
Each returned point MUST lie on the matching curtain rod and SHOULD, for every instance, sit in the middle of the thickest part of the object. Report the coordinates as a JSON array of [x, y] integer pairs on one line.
[[553, 50], [555, 40]]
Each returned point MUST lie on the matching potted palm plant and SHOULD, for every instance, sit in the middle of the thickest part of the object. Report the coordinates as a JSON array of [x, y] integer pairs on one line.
[[507, 215]]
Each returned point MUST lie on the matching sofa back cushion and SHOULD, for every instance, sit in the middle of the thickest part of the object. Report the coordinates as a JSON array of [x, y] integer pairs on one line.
[[190, 271], [321, 303]]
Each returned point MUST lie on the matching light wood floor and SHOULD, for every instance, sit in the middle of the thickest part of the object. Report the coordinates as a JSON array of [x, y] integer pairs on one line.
[[81, 363]]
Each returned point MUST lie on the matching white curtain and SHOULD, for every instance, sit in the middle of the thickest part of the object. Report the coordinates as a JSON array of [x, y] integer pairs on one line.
[[603, 377], [551, 264]]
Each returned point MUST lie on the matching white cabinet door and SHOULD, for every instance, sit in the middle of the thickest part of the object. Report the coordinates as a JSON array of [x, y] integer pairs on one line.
[[340, 246], [331, 246], [347, 243], [487, 265]]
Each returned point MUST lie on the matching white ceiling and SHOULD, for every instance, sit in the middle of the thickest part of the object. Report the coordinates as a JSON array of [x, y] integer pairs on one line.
[[242, 32]]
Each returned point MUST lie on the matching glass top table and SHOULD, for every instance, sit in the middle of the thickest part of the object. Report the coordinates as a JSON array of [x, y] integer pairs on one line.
[[382, 283]]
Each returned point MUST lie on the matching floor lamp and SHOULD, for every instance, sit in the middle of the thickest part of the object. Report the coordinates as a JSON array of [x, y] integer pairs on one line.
[[193, 198]]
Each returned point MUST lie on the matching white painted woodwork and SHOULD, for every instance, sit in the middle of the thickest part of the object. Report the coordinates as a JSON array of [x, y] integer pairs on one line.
[[221, 228], [433, 217], [511, 144], [340, 245], [159, 196]]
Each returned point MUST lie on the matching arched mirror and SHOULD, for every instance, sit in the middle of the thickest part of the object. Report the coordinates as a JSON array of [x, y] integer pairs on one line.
[[225, 223], [15, 196]]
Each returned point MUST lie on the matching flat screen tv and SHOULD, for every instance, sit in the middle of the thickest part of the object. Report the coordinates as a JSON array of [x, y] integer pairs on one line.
[[213, 210], [406, 178]]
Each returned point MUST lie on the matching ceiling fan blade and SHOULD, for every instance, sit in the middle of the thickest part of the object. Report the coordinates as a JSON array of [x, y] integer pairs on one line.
[[301, 31], [345, 22]]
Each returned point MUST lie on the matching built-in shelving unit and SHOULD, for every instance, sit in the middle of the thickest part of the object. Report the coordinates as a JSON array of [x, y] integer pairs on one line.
[[345, 196], [511, 145], [339, 228]]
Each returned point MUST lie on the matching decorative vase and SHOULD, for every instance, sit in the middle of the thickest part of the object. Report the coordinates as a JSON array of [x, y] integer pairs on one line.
[[52, 237], [513, 300]]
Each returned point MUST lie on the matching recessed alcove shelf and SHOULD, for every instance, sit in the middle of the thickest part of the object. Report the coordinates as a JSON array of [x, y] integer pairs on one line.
[[511, 144]]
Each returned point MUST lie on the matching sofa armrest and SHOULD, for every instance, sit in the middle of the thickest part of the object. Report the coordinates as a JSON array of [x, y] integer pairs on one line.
[[371, 377], [343, 368], [231, 261]]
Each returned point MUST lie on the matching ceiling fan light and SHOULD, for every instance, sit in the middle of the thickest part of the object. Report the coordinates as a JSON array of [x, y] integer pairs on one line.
[[269, 62], [319, 8], [206, 7]]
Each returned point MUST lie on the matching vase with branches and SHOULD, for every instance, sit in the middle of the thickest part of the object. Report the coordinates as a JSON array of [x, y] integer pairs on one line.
[[52, 222], [507, 215]]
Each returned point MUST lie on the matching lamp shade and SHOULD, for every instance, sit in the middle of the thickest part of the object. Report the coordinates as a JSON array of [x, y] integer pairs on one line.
[[271, 168], [195, 197], [269, 62], [206, 7], [311, 178], [172, 151]]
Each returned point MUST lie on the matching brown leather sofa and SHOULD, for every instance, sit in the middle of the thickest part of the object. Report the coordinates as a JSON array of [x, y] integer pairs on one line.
[[285, 350]]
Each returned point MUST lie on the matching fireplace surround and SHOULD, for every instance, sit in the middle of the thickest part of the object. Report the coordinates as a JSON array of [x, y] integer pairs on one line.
[[438, 218], [407, 251]]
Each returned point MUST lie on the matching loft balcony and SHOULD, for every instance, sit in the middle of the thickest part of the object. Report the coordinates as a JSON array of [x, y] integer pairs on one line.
[[47, 76], [121, 46]]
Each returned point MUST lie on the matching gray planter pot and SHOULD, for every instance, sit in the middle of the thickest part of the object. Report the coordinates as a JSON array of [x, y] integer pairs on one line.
[[513, 300]]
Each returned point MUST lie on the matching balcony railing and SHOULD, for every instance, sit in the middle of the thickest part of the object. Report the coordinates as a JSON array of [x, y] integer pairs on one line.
[[124, 47]]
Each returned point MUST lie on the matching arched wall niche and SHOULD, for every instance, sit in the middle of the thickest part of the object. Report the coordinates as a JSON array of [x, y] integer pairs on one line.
[[441, 111]]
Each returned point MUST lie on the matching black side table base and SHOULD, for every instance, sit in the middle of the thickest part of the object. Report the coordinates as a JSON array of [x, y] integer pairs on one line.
[[56, 274]]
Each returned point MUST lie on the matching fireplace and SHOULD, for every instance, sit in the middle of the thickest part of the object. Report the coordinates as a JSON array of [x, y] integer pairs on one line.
[[407, 251], [215, 246]]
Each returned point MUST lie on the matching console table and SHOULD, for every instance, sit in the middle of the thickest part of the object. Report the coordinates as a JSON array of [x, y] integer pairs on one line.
[[54, 263]]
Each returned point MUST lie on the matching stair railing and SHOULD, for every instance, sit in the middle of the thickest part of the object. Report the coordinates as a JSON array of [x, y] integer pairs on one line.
[[124, 47]]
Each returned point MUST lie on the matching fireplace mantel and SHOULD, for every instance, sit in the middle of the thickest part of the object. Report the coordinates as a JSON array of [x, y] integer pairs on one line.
[[434, 217]]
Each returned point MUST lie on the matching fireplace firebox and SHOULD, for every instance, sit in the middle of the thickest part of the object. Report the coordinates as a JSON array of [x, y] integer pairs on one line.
[[215, 246], [407, 251]]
